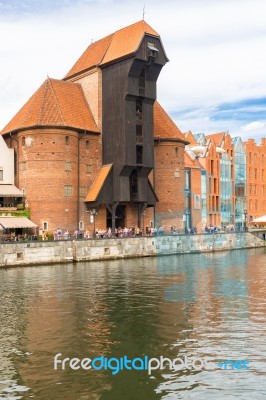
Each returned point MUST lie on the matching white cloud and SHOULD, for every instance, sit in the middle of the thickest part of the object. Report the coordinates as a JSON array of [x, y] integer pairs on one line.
[[216, 49], [256, 125]]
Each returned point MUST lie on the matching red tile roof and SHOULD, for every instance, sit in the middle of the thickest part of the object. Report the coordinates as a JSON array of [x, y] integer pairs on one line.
[[189, 162], [55, 103], [98, 183], [118, 45], [164, 126], [217, 137], [190, 138]]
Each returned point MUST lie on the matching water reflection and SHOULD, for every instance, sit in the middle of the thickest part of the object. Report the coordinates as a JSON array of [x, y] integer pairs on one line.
[[209, 306]]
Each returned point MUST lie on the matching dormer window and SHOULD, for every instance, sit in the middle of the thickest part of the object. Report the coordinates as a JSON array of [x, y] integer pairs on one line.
[[139, 110], [152, 51]]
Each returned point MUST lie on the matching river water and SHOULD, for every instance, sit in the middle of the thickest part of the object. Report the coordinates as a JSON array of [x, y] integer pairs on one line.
[[201, 310]]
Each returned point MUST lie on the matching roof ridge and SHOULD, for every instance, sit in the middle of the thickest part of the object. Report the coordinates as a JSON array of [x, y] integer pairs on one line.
[[42, 102], [57, 102], [107, 48], [84, 97]]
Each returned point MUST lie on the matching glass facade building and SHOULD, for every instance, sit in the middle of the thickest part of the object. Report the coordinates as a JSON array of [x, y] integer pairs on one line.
[[240, 183], [187, 214], [226, 190]]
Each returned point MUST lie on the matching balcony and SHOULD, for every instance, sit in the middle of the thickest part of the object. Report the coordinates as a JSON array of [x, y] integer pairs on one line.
[[6, 207]]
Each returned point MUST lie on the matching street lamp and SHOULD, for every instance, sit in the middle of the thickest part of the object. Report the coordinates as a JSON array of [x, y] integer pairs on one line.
[[187, 212], [143, 216], [245, 221], [93, 217]]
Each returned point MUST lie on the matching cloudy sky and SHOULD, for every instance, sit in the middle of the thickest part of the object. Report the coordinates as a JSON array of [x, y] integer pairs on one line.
[[215, 80]]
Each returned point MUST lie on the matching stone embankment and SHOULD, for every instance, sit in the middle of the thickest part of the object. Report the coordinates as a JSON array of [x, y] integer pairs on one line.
[[46, 252]]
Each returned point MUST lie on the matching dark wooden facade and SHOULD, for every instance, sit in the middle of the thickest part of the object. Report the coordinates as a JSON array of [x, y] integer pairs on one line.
[[128, 95]]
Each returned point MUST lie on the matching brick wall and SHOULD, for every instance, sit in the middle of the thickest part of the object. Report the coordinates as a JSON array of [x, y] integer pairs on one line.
[[92, 87], [256, 178], [169, 184], [212, 164], [196, 191], [47, 167]]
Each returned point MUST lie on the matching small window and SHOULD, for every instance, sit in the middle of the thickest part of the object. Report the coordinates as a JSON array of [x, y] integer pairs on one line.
[[23, 166], [67, 140], [88, 144], [176, 151], [88, 168], [45, 226], [139, 110], [152, 50], [83, 191], [1, 174], [139, 130], [177, 174], [23, 141], [139, 155], [212, 167], [81, 225], [68, 166], [68, 190]]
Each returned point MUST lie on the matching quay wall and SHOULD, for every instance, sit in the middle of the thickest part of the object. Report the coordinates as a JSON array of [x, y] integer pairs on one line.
[[48, 252]]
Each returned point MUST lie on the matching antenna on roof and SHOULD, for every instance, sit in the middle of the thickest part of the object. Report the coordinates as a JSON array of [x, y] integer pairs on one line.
[[143, 12]]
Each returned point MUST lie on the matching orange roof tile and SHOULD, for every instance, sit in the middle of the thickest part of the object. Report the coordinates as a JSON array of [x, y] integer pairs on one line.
[[119, 44], [164, 126], [98, 183], [189, 162], [55, 103], [91, 57], [190, 138], [217, 137], [127, 41]]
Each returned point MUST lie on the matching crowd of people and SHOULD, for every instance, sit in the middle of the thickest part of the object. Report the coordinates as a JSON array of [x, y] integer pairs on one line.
[[120, 232], [106, 233], [133, 232]]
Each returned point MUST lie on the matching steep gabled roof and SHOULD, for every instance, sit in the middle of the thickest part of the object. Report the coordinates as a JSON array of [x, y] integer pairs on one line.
[[116, 46], [164, 126], [217, 137], [55, 103], [190, 138]]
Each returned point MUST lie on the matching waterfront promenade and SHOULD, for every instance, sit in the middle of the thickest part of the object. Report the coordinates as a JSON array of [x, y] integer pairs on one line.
[[60, 251]]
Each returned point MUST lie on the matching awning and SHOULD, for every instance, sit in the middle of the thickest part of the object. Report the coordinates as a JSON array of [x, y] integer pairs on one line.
[[260, 219], [10, 191], [16, 222]]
